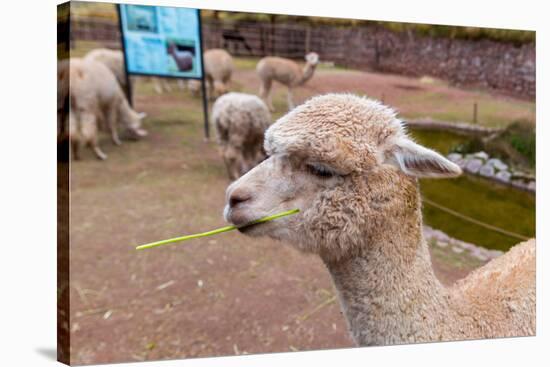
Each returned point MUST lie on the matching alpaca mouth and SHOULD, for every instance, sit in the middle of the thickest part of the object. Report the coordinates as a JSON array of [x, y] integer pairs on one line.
[[243, 222], [248, 227]]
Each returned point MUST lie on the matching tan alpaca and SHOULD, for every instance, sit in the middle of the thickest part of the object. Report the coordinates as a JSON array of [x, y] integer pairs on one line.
[[240, 120], [347, 163], [218, 67], [96, 96], [113, 59], [286, 72]]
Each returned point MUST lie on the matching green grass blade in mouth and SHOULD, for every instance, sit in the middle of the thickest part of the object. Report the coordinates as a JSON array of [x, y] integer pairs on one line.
[[217, 231]]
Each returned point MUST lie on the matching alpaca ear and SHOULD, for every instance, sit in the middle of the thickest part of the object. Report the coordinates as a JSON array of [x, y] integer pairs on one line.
[[418, 161], [312, 58]]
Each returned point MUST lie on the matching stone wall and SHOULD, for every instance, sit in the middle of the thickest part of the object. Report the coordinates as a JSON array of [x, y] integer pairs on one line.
[[504, 67], [484, 63]]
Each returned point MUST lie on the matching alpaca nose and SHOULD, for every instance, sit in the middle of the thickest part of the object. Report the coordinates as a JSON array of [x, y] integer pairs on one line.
[[237, 197]]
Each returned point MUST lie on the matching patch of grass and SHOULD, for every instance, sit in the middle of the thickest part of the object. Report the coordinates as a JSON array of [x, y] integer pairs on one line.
[[521, 136], [492, 112], [245, 63]]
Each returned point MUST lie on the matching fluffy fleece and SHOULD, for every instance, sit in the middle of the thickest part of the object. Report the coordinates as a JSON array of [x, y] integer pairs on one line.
[[347, 163], [95, 97], [240, 120], [113, 59], [218, 67]]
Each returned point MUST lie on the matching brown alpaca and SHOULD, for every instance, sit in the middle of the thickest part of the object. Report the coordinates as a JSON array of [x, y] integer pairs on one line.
[[183, 59], [347, 163], [286, 72]]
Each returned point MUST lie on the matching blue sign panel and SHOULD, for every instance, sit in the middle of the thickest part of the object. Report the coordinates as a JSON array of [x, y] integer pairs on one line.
[[162, 41]]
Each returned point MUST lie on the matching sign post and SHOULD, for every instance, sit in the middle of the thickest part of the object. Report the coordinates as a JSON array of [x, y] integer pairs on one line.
[[163, 42]]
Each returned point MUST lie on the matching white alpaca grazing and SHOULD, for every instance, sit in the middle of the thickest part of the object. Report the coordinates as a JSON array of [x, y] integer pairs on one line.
[[240, 120], [113, 59], [95, 96]]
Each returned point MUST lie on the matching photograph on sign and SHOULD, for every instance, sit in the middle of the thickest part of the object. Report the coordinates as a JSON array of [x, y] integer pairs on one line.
[[162, 41]]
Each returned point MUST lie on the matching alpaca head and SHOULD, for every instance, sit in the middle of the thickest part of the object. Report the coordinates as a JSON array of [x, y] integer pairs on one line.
[[312, 58], [347, 164], [133, 124]]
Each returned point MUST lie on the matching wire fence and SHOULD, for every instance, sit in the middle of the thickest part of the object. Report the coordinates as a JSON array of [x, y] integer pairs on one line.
[[255, 39]]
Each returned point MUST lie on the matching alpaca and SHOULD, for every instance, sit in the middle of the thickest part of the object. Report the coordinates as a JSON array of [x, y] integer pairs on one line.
[[113, 59], [218, 67], [240, 120], [286, 72], [96, 96], [347, 163]]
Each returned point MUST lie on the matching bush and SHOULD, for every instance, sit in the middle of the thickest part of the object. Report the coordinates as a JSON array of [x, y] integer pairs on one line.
[[516, 145], [522, 137]]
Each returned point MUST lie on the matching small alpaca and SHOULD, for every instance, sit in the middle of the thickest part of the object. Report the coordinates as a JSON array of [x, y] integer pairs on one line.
[[347, 163], [218, 67], [286, 72], [96, 96], [240, 120]]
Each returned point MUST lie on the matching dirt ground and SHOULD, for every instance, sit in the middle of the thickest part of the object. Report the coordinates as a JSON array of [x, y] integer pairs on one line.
[[221, 295]]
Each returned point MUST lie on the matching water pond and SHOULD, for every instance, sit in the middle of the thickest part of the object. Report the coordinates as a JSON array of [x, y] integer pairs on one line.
[[476, 198]]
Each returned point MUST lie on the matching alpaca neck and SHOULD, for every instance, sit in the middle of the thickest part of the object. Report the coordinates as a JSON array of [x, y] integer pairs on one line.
[[125, 113], [389, 293], [307, 73]]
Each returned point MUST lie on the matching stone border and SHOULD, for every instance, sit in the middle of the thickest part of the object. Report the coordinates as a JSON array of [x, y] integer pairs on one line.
[[494, 169], [443, 240]]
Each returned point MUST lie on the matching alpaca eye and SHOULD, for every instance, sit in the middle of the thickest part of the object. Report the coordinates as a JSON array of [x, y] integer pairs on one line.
[[319, 170]]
